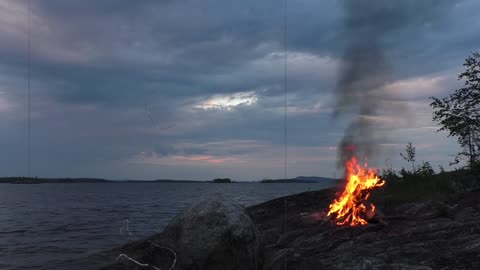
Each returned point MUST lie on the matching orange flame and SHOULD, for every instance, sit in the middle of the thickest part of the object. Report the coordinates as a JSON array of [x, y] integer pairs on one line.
[[349, 207]]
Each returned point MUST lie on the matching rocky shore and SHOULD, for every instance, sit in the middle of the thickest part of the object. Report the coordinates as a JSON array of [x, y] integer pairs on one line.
[[293, 232]]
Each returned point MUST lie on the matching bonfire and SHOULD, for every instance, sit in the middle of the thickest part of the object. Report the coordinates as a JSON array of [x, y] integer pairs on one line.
[[349, 208]]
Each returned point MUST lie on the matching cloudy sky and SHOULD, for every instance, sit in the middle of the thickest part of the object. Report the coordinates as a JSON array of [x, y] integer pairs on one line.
[[190, 89]]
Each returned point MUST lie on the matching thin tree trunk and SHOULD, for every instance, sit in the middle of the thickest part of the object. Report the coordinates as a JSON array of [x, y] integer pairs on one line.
[[471, 150]]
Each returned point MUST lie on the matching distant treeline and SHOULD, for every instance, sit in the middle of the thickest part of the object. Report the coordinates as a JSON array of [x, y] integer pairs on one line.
[[36, 180], [222, 180], [300, 179], [293, 180]]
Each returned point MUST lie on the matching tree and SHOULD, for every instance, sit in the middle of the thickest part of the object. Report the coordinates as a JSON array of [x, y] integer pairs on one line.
[[425, 170], [459, 114], [409, 155], [389, 174]]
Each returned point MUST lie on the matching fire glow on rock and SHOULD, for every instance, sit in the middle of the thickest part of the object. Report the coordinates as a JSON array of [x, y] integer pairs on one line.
[[349, 208]]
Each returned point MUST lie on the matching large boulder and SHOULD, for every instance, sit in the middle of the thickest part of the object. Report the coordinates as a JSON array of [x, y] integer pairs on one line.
[[215, 234]]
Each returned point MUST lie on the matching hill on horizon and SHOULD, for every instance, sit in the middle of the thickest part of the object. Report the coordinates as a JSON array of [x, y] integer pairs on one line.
[[301, 179], [315, 178]]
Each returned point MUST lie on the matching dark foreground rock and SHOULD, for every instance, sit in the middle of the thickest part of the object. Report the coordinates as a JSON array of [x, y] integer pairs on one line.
[[295, 234], [423, 235], [215, 234]]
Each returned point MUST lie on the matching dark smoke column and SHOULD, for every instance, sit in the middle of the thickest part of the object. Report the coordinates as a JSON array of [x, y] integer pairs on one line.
[[363, 75], [369, 26]]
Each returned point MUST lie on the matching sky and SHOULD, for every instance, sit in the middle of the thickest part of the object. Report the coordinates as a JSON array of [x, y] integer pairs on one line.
[[190, 89]]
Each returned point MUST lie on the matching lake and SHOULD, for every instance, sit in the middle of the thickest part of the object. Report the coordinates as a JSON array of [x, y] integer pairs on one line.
[[45, 226]]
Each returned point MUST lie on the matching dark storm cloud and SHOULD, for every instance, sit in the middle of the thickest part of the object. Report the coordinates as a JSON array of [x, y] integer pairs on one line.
[[121, 50], [116, 78], [173, 48]]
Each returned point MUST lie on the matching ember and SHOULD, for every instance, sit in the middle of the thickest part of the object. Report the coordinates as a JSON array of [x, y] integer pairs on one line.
[[349, 208]]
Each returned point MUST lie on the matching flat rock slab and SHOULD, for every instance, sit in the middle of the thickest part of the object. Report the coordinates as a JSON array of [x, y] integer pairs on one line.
[[417, 236]]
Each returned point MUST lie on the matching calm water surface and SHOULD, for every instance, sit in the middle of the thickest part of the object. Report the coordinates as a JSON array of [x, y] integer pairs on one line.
[[43, 226]]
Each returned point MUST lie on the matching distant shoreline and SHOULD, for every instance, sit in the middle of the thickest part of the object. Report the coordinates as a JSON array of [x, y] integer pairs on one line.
[[28, 180], [34, 180]]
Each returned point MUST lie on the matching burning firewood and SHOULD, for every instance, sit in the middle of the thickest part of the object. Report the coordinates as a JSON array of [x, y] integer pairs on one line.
[[349, 208]]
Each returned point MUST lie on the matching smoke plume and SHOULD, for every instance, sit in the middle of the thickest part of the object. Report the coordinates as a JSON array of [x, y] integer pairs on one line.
[[369, 28]]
